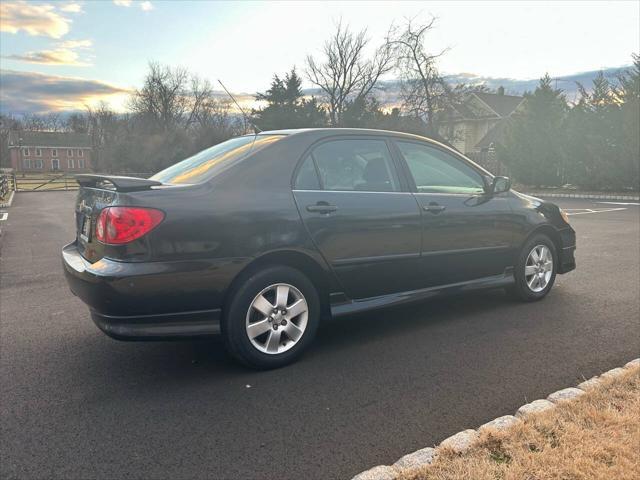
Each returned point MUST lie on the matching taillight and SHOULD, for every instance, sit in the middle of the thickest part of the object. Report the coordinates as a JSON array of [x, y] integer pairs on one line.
[[118, 225]]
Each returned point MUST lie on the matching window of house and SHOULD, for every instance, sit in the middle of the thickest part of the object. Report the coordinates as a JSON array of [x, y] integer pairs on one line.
[[70, 163], [37, 163], [80, 153], [437, 171], [69, 152], [26, 164], [38, 152], [25, 152], [362, 165], [81, 163], [55, 164], [54, 152]]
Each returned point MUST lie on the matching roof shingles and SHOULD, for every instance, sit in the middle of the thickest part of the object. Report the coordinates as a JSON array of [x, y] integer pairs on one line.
[[49, 139]]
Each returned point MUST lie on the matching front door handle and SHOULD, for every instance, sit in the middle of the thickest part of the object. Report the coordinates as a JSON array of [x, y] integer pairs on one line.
[[321, 207], [433, 207]]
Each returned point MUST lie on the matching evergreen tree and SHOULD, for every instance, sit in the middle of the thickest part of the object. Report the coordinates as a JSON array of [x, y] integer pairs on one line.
[[533, 148], [627, 94], [286, 107]]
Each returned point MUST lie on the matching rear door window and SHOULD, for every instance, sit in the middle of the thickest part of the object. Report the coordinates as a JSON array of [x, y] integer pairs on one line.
[[355, 165], [307, 178], [206, 164]]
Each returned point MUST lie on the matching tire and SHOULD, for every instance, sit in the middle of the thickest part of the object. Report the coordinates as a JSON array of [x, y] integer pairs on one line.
[[258, 334], [527, 288]]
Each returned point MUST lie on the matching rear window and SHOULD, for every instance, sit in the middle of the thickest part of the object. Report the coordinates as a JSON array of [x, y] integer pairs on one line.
[[206, 164]]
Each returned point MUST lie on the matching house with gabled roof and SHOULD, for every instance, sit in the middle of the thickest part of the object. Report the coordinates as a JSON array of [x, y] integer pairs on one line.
[[478, 123], [49, 151]]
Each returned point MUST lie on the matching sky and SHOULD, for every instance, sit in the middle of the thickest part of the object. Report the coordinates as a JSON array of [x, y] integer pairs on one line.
[[57, 55]]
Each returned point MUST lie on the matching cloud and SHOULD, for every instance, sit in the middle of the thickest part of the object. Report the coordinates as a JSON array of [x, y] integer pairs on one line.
[[33, 19], [29, 92], [145, 6], [71, 7], [65, 53]]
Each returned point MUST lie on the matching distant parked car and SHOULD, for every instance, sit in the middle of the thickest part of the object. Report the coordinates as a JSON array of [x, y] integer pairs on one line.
[[261, 236]]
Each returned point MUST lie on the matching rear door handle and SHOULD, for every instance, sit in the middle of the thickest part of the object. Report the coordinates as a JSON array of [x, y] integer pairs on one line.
[[434, 208], [321, 207]]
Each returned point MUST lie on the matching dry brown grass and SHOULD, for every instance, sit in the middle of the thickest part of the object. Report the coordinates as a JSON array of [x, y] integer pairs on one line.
[[596, 436]]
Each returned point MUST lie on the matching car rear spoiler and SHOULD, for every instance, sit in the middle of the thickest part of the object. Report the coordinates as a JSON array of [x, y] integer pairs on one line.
[[117, 183]]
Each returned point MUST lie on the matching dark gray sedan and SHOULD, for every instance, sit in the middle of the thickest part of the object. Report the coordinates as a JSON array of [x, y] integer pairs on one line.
[[261, 236]]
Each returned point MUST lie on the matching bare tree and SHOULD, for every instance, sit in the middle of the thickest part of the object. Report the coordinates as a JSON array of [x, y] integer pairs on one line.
[[50, 122], [424, 92], [344, 74], [162, 102]]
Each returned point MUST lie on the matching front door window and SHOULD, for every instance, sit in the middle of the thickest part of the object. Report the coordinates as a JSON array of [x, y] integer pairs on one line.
[[55, 164], [436, 171]]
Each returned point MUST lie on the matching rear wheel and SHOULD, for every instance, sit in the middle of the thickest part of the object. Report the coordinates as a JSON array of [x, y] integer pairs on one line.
[[271, 318], [535, 271]]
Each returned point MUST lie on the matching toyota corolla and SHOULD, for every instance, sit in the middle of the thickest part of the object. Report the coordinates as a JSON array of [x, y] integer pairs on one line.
[[260, 237]]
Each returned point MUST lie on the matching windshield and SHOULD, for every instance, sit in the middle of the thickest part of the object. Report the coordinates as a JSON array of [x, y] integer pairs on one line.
[[206, 164]]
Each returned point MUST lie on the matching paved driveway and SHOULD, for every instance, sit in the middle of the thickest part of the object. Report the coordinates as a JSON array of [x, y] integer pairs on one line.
[[75, 403]]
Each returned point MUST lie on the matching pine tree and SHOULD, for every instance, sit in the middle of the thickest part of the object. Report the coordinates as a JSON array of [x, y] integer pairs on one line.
[[534, 145], [286, 107]]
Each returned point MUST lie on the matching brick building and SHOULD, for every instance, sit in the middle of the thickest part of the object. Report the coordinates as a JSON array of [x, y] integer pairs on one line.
[[49, 151]]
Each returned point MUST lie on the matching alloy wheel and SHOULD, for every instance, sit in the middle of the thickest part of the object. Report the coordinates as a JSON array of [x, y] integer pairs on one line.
[[277, 318], [538, 268]]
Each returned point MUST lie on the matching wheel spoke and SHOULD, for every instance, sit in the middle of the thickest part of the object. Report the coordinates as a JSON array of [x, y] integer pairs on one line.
[[282, 294], [273, 342], [263, 305], [296, 308], [533, 283], [530, 270], [293, 332], [534, 255], [256, 329], [548, 266]]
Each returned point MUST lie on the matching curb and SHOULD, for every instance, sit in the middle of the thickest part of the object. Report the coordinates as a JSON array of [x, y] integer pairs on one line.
[[462, 441], [8, 202], [586, 196]]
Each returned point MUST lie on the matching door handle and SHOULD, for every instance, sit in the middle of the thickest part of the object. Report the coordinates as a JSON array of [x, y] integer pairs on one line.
[[321, 207], [434, 208]]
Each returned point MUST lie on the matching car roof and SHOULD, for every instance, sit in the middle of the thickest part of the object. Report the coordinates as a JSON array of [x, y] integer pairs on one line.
[[324, 132], [313, 134]]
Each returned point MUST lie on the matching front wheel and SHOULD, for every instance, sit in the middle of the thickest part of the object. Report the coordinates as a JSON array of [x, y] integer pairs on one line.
[[271, 318], [535, 270]]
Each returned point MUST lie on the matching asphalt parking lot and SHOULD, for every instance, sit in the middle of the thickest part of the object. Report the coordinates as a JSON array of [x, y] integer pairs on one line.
[[76, 404]]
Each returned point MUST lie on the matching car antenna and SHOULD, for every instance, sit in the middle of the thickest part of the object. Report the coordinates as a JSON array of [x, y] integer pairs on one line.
[[256, 130]]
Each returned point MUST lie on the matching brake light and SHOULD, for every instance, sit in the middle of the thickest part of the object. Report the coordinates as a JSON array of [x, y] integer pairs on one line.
[[118, 225]]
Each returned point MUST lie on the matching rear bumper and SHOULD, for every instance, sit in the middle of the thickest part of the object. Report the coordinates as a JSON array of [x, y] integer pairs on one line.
[[142, 301], [159, 326], [567, 252]]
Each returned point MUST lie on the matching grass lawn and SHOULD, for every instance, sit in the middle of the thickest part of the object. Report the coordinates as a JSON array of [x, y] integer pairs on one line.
[[596, 436]]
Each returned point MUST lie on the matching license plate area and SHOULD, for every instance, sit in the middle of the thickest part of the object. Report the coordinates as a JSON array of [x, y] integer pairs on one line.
[[85, 228]]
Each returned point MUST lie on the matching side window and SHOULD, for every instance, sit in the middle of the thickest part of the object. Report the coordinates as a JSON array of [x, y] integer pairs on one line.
[[307, 178], [436, 171], [363, 165]]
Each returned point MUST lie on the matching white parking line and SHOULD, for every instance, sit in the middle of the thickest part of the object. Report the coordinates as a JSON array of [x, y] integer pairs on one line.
[[620, 203], [583, 211], [4, 216]]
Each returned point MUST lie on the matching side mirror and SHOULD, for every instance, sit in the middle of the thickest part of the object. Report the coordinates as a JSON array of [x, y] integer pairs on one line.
[[500, 185]]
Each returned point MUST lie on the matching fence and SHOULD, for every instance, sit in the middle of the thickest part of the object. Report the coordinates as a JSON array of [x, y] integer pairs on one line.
[[6, 185]]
